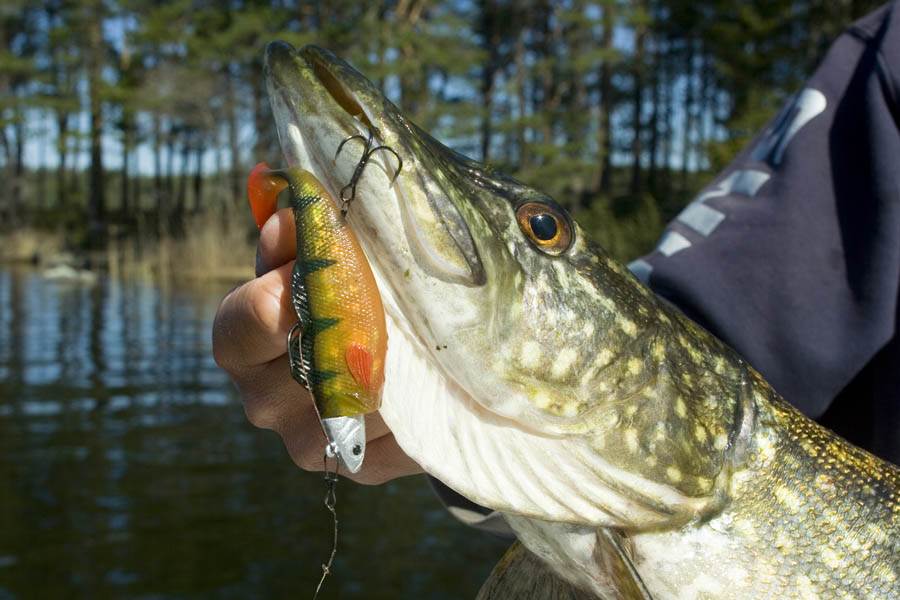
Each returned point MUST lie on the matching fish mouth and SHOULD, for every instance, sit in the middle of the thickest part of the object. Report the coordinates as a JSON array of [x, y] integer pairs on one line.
[[320, 101]]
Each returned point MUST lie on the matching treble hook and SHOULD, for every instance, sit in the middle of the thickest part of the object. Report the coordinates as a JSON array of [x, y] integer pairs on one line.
[[348, 192]]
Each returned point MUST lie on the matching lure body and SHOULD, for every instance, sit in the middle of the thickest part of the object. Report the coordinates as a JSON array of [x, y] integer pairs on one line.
[[343, 340]]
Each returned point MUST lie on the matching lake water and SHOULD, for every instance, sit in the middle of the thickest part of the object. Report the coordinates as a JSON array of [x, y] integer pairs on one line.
[[128, 470]]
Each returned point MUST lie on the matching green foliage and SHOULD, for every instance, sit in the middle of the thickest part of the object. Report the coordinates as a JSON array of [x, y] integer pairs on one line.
[[620, 110], [626, 227]]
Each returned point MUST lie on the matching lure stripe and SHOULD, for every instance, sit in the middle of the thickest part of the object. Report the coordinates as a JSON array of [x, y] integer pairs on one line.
[[321, 324], [316, 376], [311, 265]]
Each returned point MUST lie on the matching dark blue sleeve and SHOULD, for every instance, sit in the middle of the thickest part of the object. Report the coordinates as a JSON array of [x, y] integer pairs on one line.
[[792, 255]]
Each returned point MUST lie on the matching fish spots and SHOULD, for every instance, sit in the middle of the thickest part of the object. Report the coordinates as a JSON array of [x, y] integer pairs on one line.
[[612, 419], [783, 542], [720, 441], [543, 400], [700, 434], [588, 329], [674, 474], [530, 355], [680, 408], [631, 439], [660, 432], [719, 365], [635, 366], [805, 588], [766, 448], [789, 499], [831, 558], [627, 326], [745, 528], [696, 355], [562, 365], [658, 351], [824, 482], [876, 533], [604, 357]]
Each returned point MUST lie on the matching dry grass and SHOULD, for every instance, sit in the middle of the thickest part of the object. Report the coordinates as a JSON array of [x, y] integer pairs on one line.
[[214, 247], [28, 245]]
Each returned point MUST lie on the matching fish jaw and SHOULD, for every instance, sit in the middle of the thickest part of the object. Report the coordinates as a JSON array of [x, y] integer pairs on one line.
[[546, 358], [444, 238]]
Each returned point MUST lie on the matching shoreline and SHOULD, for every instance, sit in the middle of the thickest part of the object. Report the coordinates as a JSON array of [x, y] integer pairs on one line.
[[222, 256]]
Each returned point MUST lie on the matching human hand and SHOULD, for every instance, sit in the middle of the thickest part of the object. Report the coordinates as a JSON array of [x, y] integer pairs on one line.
[[249, 342]]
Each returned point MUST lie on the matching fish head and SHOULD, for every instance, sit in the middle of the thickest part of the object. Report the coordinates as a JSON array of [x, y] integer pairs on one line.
[[509, 330]]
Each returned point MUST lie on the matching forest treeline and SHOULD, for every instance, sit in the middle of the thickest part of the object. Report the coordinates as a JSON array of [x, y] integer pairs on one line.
[[619, 109]]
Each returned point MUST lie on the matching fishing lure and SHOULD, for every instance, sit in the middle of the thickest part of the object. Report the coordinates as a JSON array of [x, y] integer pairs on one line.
[[337, 349]]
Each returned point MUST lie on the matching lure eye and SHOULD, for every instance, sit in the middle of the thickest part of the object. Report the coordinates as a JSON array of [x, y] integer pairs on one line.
[[545, 226]]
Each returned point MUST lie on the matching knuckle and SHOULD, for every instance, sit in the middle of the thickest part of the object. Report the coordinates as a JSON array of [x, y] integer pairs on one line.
[[265, 309], [260, 413], [309, 460]]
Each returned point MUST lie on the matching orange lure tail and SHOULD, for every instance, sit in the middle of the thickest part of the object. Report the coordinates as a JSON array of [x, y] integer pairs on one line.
[[262, 191]]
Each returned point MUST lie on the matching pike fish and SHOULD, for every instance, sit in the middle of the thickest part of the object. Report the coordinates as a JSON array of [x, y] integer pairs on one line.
[[634, 454], [337, 348]]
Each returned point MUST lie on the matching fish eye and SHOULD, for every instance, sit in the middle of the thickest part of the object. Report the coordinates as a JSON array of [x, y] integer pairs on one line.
[[545, 226]]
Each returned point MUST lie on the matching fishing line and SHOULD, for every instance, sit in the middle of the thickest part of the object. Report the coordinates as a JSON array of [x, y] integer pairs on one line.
[[331, 479], [300, 370]]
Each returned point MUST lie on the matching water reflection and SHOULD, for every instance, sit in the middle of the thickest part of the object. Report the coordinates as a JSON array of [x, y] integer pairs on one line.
[[127, 468]]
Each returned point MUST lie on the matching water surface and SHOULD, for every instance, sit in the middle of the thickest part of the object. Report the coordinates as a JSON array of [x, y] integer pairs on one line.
[[127, 469]]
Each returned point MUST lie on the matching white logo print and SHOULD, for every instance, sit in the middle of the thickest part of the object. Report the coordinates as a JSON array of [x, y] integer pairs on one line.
[[703, 219]]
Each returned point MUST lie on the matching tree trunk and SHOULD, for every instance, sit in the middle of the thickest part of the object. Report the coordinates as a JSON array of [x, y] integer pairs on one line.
[[603, 182], [198, 176], [158, 191], [550, 79], [637, 187], [668, 100], [234, 175], [62, 145], [522, 101], [170, 164], [690, 75], [656, 82], [127, 143], [183, 176], [96, 193], [18, 166], [491, 41]]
